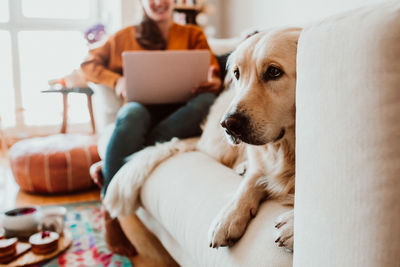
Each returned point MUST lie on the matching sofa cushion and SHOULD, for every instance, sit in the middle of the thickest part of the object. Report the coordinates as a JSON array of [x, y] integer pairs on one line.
[[182, 197], [348, 140]]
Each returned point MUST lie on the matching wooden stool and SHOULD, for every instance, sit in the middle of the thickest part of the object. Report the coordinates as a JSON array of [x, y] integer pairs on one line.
[[80, 90]]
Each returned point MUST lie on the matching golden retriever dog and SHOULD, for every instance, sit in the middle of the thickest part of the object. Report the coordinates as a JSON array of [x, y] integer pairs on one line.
[[257, 137]]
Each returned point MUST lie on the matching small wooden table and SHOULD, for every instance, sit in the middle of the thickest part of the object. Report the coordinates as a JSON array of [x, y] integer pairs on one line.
[[80, 90], [190, 11]]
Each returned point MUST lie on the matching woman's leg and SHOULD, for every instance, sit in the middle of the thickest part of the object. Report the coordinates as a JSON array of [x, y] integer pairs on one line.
[[131, 127], [184, 122]]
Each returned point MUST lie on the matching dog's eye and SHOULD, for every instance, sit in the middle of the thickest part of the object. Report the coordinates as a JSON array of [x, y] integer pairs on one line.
[[272, 73], [236, 73]]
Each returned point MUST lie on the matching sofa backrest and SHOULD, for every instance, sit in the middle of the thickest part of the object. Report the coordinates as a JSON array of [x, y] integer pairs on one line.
[[347, 207]]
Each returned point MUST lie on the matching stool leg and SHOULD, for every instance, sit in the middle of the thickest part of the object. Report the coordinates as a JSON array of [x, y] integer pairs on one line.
[[90, 107], [65, 114]]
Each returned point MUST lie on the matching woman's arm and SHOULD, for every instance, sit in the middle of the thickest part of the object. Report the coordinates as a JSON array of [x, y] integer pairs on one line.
[[214, 83], [95, 66]]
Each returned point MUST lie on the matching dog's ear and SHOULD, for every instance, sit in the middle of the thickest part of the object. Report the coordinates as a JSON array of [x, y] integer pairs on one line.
[[296, 34], [248, 33], [251, 34]]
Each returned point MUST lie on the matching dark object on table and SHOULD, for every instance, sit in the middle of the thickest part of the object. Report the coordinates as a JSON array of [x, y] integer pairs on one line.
[[190, 12], [21, 211]]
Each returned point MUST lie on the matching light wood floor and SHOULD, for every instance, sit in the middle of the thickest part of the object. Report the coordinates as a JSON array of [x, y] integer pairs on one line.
[[151, 252]]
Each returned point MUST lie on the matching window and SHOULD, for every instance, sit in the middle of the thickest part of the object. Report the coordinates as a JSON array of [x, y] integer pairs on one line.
[[4, 16], [6, 82], [58, 52], [41, 40], [56, 9]]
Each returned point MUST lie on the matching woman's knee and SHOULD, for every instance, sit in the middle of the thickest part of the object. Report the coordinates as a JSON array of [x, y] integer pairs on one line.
[[133, 112]]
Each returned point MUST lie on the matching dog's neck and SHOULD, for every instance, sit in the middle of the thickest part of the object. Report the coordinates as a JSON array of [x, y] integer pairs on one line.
[[290, 136], [288, 142], [279, 165]]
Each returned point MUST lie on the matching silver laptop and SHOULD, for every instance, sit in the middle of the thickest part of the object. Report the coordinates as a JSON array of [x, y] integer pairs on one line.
[[160, 77]]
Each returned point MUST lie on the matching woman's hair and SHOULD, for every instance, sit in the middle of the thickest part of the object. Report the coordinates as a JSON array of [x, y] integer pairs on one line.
[[148, 35]]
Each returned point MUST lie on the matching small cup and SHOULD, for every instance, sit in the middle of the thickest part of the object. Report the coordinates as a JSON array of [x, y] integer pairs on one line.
[[21, 222], [52, 219]]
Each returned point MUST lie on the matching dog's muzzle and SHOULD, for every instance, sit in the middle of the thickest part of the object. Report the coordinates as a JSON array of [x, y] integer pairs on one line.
[[235, 125]]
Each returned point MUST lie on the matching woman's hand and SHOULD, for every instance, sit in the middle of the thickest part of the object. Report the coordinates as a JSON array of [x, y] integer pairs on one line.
[[212, 85], [120, 88]]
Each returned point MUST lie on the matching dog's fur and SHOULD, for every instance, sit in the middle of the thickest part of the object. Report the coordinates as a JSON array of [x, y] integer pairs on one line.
[[259, 121]]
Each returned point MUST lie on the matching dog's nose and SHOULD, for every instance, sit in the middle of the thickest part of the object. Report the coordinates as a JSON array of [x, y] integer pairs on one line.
[[234, 124]]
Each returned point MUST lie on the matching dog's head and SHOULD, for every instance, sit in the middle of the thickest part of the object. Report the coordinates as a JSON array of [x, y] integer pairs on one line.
[[263, 73]]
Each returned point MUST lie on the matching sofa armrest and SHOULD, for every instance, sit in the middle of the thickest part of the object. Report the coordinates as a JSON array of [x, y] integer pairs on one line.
[[106, 105], [347, 207], [223, 46], [182, 197]]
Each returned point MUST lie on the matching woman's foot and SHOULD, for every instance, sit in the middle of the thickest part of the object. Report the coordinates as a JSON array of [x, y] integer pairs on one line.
[[116, 240], [96, 173]]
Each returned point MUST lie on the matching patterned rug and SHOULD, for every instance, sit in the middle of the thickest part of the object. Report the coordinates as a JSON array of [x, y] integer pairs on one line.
[[88, 248]]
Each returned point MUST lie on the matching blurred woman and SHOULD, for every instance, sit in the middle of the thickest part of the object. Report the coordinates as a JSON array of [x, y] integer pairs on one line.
[[139, 125]]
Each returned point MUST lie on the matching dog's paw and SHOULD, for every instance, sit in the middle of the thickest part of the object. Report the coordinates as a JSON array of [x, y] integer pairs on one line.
[[284, 230], [229, 225], [241, 168]]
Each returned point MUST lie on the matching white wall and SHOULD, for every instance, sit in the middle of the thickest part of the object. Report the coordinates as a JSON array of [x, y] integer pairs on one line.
[[131, 12], [120, 13], [239, 15]]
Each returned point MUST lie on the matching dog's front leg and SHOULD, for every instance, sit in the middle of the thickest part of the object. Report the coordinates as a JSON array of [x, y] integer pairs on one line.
[[231, 223]]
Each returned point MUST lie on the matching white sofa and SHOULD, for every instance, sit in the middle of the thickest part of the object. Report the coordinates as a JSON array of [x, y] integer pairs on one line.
[[347, 203]]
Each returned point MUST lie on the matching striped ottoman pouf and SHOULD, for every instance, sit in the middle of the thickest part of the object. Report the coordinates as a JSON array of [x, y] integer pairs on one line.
[[54, 164]]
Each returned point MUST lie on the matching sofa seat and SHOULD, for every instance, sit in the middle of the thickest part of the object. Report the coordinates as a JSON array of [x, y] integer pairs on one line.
[[182, 197]]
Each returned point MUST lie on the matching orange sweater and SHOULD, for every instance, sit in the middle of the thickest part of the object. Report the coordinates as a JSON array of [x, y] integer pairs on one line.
[[104, 64]]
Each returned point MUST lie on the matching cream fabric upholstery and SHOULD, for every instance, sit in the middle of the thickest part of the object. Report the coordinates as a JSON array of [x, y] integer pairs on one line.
[[183, 196], [347, 209], [106, 105]]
